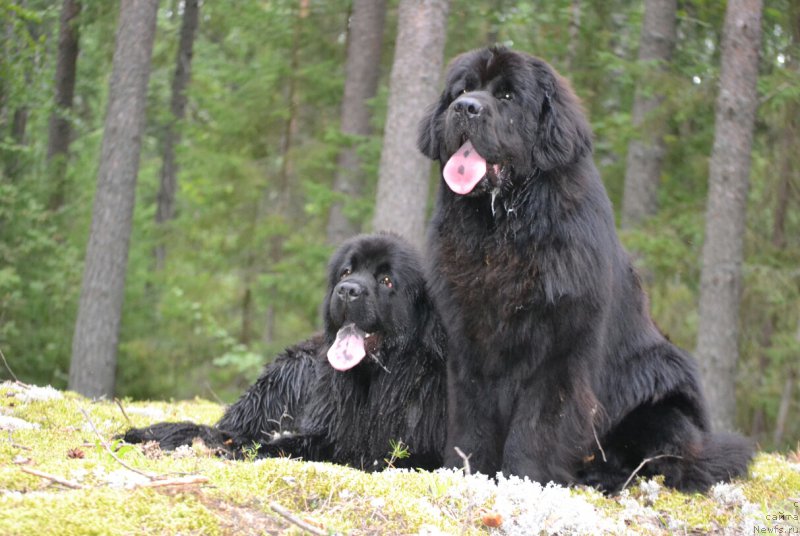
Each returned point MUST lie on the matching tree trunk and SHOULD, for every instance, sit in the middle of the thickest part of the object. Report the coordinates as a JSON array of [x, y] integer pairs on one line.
[[729, 169], [783, 408], [404, 177], [60, 124], [94, 346], [787, 139], [165, 202], [365, 37], [759, 424], [646, 149]]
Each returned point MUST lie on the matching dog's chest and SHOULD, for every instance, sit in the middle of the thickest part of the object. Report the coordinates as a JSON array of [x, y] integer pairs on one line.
[[490, 278]]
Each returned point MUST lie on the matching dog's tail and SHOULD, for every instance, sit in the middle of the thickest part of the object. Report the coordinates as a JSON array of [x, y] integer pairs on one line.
[[724, 456], [171, 435]]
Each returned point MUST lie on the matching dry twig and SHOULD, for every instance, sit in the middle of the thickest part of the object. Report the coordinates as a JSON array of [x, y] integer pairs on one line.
[[53, 478], [184, 481], [111, 452], [8, 368], [119, 404], [216, 397], [465, 458], [290, 517], [645, 461], [597, 439]]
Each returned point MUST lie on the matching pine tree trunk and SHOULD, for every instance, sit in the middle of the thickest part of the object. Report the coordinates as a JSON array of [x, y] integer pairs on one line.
[[783, 407], [165, 201], [759, 424], [787, 141], [60, 124], [729, 170], [94, 346], [646, 149], [404, 178], [365, 37]]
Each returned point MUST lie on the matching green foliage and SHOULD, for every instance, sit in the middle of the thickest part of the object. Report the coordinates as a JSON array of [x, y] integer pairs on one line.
[[251, 452], [666, 252], [117, 446], [398, 451], [38, 271]]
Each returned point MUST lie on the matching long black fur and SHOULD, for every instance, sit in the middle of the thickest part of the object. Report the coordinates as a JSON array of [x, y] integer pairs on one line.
[[302, 407], [552, 352]]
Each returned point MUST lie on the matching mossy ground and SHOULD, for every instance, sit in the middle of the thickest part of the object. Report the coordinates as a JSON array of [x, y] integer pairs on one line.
[[237, 495]]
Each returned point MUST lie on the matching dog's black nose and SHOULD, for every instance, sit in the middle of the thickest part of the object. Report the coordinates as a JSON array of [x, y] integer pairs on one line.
[[349, 291], [468, 106]]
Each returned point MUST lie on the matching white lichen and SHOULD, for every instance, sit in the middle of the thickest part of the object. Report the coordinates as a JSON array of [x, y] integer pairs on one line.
[[14, 423], [650, 489], [728, 494]]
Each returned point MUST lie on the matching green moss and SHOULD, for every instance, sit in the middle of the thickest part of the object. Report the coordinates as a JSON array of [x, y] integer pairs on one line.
[[339, 498], [775, 486], [104, 511], [237, 496], [697, 511]]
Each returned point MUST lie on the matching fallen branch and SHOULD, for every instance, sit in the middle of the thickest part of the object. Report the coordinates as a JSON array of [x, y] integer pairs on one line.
[[645, 461], [103, 442], [53, 478], [185, 481], [286, 514]]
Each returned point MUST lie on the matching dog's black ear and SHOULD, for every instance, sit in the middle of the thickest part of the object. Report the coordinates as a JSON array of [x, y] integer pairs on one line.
[[563, 134], [336, 263], [428, 136]]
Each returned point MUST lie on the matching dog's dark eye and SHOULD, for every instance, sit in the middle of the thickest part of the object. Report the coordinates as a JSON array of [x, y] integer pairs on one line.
[[387, 282], [345, 273], [505, 95]]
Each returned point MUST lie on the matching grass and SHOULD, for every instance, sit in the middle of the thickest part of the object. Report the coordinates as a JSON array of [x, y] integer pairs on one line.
[[53, 434]]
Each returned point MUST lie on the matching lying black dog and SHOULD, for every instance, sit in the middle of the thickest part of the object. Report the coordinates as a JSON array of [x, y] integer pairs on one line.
[[555, 368], [376, 375]]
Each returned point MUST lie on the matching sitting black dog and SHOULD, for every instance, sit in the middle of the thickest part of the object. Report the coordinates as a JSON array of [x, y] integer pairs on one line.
[[375, 376], [556, 370]]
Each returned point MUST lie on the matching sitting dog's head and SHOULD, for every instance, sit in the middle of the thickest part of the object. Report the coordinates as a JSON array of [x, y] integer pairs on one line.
[[376, 298], [502, 117]]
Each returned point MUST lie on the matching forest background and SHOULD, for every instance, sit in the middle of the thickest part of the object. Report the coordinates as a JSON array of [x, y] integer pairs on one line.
[[233, 270]]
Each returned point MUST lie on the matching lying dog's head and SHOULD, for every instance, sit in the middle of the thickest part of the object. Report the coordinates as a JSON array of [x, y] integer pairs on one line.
[[376, 298], [502, 117]]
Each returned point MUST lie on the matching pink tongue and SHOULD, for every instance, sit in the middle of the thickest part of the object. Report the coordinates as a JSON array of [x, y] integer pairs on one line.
[[347, 350], [464, 169]]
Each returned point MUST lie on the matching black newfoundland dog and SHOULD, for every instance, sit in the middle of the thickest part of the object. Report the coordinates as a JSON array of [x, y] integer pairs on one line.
[[555, 368], [376, 375]]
